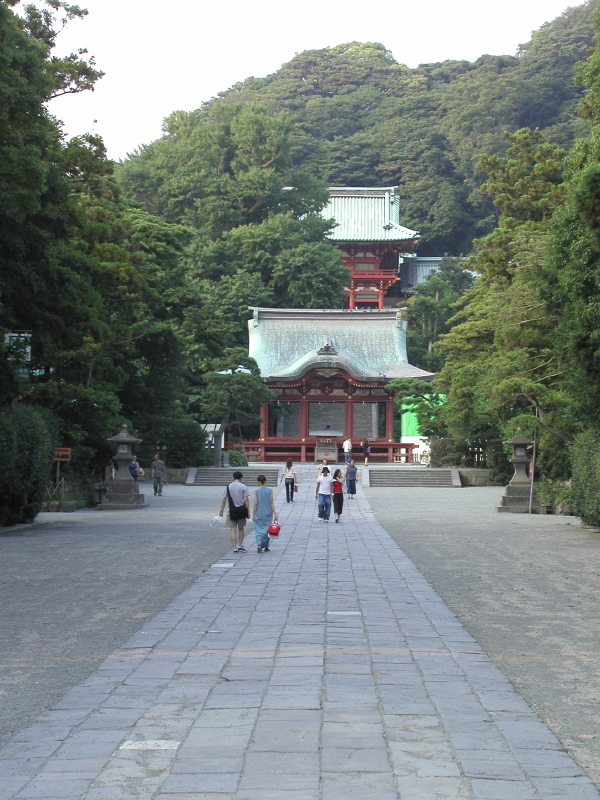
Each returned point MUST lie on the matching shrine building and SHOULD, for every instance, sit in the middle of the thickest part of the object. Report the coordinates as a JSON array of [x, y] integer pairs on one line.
[[372, 242], [329, 371]]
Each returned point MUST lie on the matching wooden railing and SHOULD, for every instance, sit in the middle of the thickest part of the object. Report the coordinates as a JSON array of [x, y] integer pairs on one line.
[[280, 449]]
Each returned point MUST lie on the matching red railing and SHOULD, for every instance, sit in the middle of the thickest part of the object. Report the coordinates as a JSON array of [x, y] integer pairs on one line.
[[280, 449]]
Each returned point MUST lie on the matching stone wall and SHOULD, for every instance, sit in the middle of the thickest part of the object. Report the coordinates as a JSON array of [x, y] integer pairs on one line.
[[471, 476]]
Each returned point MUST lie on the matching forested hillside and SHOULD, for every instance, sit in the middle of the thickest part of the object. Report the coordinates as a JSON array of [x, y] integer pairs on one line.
[[362, 119]]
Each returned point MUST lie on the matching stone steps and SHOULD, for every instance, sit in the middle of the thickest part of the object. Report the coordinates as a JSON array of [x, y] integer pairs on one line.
[[405, 476], [212, 476]]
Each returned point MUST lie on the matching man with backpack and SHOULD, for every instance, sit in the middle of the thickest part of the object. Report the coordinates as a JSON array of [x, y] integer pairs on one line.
[[237, 494]]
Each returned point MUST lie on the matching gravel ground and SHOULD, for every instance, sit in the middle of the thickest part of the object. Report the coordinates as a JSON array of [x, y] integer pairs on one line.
[[526, 587], [74, 587]]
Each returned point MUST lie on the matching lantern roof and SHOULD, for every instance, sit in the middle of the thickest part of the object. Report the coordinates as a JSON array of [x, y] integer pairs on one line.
[[123, 436], [518, 439]]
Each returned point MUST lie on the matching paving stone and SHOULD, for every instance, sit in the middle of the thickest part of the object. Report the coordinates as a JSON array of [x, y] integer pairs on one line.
[[205, 782], [422, 759], [502, 790], [414, 788], [346, 759], [495, 764], [56, 785]]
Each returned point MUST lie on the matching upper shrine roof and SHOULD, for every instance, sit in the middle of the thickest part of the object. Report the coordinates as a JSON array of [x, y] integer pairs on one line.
[[366, 215], [368, 344]]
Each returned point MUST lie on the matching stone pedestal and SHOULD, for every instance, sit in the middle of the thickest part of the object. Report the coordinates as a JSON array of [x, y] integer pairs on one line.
[[516, 500], [122, 496]]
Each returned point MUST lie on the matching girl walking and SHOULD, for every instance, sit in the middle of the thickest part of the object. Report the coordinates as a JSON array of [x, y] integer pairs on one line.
[[290, 478], [264, 513], [337, 487]]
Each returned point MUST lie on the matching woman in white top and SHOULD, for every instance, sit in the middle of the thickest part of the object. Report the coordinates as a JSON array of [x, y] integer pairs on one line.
[[290, 478]]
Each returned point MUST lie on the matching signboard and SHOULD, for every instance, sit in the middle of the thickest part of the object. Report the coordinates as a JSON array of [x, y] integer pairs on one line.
[[62, 454], [18, 344]]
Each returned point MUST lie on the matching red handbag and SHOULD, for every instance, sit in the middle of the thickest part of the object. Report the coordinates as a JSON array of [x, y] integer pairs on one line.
[[273, 529], [295, 487]]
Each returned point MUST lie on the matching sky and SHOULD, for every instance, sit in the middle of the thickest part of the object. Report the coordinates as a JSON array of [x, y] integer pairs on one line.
[[167, 56]]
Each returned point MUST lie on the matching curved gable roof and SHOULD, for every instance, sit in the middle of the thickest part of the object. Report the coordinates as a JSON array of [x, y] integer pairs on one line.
[[287, 343]]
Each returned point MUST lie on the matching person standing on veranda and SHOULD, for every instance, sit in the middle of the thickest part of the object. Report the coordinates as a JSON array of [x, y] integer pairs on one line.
[[237, 493], [347, 447], [264, 513], [366, 451]]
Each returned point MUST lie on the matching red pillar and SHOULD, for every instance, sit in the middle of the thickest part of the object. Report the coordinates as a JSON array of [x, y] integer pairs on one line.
[[303, 418], [349, 420], [264, 420], [389, 418]]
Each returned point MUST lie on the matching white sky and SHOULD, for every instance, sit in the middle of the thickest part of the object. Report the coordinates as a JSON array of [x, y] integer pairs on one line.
[[163, 56]]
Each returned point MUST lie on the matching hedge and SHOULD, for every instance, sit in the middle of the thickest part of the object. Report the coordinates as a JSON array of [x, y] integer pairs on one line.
[[27, 454], [586, 477]]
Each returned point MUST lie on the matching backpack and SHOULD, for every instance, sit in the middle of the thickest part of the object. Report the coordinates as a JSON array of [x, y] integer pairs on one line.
[[236, 512]]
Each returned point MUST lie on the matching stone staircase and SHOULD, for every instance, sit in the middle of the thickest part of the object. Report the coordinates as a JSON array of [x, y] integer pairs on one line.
[[212, 476], [420, 476]]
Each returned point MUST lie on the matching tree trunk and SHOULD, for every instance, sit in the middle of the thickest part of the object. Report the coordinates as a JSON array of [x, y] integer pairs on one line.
[[218, 450]]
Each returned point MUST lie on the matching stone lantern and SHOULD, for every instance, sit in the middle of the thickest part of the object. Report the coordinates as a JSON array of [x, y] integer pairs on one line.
[[123, 493], [520, 496], [520, 459]]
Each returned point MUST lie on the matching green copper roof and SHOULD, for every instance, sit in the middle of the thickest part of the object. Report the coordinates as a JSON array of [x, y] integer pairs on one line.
[[369, 344], [366, 215]]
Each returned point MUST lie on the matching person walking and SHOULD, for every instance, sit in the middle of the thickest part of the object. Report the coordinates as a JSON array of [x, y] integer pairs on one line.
[[133, 468], [323, 495], [350, 476], [347, 447], [337, 487], [322, 466], [366, 451], [158, 475], [290, 479], [264, 513], [237, 494]]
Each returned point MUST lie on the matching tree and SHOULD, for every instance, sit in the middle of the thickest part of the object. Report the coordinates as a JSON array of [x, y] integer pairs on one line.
[[234, 392], [430, 309], [501, 371]]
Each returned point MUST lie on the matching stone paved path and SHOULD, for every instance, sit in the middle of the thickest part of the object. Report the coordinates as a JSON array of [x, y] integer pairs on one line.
[[326, 669]]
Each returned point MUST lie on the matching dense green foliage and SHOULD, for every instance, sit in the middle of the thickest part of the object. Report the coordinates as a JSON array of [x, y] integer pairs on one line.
[[366, 120], [585, 494], [27, 447], [430, 309], [128, 305]]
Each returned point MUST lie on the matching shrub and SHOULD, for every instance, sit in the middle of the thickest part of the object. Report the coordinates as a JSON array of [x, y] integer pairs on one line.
[[182, 441], [237, 458], [554, 494], [27, 452], [445, 453], [586, 477]]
